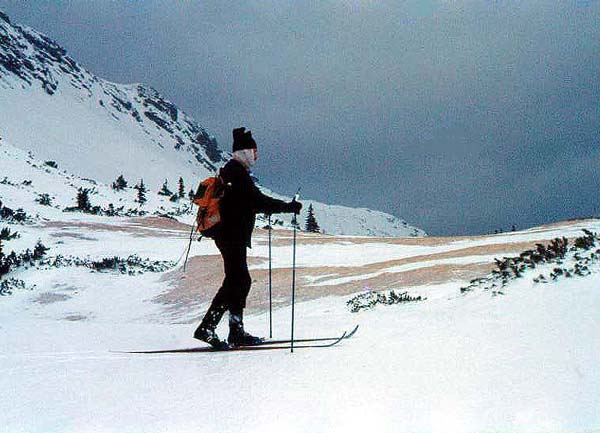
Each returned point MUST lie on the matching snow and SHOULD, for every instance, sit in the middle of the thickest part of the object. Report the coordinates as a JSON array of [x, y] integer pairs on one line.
[[524, 361], [521, 362]]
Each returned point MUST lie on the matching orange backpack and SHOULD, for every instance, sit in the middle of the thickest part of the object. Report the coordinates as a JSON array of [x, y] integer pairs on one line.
[[207, 198]]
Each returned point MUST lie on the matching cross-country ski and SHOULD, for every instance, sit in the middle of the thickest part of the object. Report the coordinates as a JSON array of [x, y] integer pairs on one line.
[[313, 343]]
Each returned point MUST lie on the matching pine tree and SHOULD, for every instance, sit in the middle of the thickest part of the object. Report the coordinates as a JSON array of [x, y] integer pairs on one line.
[[311, 222], [191, 194], [119, 184], [181, 188], [165, 190], [83, 199], [141, 192]]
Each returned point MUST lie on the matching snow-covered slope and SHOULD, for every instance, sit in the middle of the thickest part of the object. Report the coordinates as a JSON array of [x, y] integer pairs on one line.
[[525, 360], [24, 178], [52, 106]]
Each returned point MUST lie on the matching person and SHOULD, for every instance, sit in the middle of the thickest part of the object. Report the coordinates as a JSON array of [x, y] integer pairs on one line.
[[240, 203]]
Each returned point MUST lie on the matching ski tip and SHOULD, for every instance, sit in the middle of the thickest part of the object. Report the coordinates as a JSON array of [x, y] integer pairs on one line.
[[352, 332]]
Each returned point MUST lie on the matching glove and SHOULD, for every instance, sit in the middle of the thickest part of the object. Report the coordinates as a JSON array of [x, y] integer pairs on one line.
[[294, 207]]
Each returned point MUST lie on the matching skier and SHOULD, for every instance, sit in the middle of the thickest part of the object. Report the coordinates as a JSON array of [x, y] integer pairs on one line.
[[241, 201]]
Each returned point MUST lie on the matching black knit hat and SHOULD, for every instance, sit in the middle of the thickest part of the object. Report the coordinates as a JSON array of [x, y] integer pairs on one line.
[[242, 139]]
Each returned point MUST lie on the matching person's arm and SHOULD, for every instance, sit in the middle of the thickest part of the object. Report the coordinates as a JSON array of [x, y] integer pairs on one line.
[[269, 205], [244, 190]]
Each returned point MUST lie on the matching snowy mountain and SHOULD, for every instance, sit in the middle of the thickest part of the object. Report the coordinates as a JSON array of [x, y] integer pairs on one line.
[[54, 107], [94, 129]]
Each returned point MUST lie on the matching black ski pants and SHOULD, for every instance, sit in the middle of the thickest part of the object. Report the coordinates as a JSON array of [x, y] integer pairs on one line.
[[237, 282]]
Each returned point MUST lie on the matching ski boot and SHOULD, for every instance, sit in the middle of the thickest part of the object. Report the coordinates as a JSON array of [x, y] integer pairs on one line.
[[237, 335], [206, 330]]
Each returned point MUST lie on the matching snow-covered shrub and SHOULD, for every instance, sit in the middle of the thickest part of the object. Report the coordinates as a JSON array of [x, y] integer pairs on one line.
[[4, 265], [368, 300], [5, 181], [111, 211], [44, 199], [8, 286], [13, 260], [131, 265], [135, 213], [7, 235], [580, 256], [39, 251], [13, 216], [84, 204], [171, 213], [165, 189]]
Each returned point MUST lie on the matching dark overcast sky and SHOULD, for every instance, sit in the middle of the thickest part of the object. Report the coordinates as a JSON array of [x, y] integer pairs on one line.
[[460, 116]]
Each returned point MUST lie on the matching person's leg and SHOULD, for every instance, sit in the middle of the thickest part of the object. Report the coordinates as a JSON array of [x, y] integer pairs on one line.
[[237, 335], [234, 292], [221, 301], [236, 284]]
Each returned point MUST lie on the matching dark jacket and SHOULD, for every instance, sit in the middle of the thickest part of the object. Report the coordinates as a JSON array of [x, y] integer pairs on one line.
[[241, 201]]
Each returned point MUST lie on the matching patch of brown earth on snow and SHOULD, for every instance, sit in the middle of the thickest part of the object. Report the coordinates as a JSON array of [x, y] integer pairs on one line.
[[192, 293], [50, 298], [283, 238], [189, 291], [140, 227], [258, 299], [196, 286], [75, 317], [161, 223]]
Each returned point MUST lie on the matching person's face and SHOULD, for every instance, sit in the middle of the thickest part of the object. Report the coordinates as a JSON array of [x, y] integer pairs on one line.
[[255, 154]]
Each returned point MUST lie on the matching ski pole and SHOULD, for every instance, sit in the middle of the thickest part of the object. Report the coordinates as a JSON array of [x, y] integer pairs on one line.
[[270, 290], [294, 223], [189, 247]]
